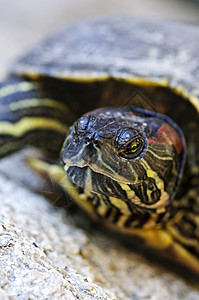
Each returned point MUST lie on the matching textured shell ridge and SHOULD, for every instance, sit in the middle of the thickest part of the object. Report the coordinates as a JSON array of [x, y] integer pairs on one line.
[[119, 48]]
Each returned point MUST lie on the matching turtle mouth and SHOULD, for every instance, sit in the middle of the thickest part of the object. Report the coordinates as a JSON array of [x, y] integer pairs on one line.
[[86, 178], [88, 168]]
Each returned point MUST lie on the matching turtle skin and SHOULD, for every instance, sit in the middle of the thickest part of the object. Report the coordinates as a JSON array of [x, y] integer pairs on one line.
[[116, 62]]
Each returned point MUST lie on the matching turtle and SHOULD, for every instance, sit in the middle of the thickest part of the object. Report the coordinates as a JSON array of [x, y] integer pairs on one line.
[[114, 104]]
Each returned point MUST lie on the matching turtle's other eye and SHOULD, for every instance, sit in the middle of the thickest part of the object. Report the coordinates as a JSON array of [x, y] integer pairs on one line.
[[81, 126], [130, 143]]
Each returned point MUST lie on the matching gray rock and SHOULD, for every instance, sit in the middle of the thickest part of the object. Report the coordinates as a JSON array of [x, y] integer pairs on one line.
[[51, 253]]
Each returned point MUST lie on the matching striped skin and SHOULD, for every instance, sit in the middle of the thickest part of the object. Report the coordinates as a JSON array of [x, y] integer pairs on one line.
[[29, 115]]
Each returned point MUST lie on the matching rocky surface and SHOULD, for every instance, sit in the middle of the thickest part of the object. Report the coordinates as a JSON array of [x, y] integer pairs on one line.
[[49, 252]]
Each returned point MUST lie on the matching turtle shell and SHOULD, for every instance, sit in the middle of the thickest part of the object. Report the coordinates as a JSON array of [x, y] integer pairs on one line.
[[159, 57]]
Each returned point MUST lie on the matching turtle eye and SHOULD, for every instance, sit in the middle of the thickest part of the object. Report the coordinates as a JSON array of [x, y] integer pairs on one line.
[[81, 126], [132, 149], [130, 143]]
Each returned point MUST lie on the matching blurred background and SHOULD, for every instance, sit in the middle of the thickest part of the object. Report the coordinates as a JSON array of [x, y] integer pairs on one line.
[[22, 22]]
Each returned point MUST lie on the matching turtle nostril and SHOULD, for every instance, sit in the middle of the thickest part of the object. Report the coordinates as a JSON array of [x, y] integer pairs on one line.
[[93, 140], [87, 140], [96, 143]]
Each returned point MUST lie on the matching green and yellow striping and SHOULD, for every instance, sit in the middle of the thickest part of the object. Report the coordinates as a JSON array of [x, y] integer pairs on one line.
[[27, 124], [38, 102], [26, 116], [16, 87]]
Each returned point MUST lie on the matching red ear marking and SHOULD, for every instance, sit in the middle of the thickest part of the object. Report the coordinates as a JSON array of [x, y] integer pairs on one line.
[[168, 135]]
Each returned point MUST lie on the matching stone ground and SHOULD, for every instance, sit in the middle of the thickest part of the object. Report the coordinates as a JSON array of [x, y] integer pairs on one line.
[[50, 252]]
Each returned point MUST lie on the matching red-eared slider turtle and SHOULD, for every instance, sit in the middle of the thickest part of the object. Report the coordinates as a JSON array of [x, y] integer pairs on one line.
[[134, 168]]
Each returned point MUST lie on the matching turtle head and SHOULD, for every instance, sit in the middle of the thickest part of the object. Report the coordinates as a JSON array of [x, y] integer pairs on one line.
[[130, 154]]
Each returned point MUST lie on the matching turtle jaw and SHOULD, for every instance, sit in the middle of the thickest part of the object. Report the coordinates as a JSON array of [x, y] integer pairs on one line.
[[90, 165], [98, 183]]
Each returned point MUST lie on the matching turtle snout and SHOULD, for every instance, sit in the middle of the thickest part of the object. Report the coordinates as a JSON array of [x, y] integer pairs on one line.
[[81, 151], [93, 139]]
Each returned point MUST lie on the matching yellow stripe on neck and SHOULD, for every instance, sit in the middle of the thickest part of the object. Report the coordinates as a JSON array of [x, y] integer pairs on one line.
[[34, 102], [31, 123], [12, 88]]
